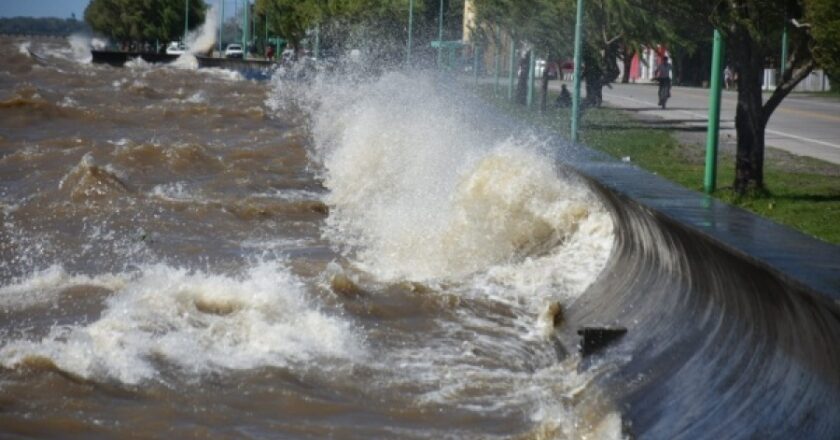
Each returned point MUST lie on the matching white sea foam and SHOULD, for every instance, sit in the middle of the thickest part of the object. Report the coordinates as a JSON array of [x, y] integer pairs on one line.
[[199, 41], [222, 74], [120, 142], [138, 63], [202, 39], [418, 192], [291, 195], [174, 192], [197, 98], [43, 286], [23, 48], [68, 102], [80, 46], [98, 43], [186, 61], [560, 399], [196, 321]]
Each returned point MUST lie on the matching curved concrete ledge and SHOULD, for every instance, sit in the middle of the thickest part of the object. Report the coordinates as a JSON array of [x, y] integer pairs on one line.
[[795, 257]]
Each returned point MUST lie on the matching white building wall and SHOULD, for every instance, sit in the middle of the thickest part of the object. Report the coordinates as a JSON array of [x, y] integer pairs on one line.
[[816, 81]]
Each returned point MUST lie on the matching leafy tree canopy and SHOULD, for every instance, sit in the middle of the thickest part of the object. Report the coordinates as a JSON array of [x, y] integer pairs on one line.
[[824, 18], [378, 25], [612, 28], [143, 20]]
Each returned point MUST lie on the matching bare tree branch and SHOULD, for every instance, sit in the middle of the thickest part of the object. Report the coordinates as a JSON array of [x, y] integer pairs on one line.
[[792, 78]]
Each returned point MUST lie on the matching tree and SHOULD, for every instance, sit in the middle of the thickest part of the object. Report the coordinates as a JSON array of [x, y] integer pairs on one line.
[[614, 28], [544, 26], [752, 29], [340, 21], [291, 18], [824, 20], [611, 29], [143, 20]]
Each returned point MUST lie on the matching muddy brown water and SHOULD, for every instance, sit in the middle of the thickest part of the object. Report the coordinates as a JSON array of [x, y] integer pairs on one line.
[[338, 254], [182, 255]]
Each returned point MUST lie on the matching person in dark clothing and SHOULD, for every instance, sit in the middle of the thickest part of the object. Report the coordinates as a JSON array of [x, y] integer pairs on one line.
[[564, 99]]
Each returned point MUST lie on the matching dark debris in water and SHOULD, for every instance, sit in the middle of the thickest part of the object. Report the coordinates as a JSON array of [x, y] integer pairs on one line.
[[593, 339]]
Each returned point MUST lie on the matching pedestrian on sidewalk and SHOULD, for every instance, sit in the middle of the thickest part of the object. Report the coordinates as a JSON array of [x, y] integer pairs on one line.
[[727, 77]]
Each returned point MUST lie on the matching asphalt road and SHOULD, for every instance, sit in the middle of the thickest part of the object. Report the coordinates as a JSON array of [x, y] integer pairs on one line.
[[802, 125]]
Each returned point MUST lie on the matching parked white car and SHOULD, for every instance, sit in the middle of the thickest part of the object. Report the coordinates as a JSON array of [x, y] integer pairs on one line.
[[176, 48], [234, 51]]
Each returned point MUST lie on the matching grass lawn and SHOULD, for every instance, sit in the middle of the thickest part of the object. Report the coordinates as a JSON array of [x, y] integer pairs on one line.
[[803, 193]]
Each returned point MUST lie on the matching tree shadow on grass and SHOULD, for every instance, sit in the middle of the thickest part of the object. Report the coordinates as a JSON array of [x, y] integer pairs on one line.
[[816, 198], [660, 126], [650, 109]]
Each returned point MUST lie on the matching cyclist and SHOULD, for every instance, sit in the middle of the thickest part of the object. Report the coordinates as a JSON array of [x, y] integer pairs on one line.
[[663, 76]]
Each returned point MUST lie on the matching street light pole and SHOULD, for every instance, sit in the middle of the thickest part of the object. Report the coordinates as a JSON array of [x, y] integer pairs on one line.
[[245, 31], [784, 51], [317, 40], [511, 66], [475, 64], [410, 29], [532, 62], [713, 130], [440, 36], [496, 56], [576, 88], [186, 19], [221, 24]]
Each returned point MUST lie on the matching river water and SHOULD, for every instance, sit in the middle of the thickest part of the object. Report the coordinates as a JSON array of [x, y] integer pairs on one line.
[[187, 253]]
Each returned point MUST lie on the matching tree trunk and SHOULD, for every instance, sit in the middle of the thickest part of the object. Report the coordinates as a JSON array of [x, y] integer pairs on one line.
[[749, 113], [628, 63], [522, 84], [593, 91]]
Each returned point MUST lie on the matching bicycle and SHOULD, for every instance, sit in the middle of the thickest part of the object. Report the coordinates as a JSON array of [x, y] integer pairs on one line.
[[664, 91]]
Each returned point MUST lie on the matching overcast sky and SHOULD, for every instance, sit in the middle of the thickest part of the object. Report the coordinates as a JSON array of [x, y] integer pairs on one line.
[[42, 8]]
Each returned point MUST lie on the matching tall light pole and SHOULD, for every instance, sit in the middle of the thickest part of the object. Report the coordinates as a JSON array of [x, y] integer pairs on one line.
[[713, 128], [475, 64], [410, 29], [532, 58], [511, 66], [245, 31], [317, 52], [576, 87], [440, 36], [496, 56], [784, 51], [221, 23], [186, 19]]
